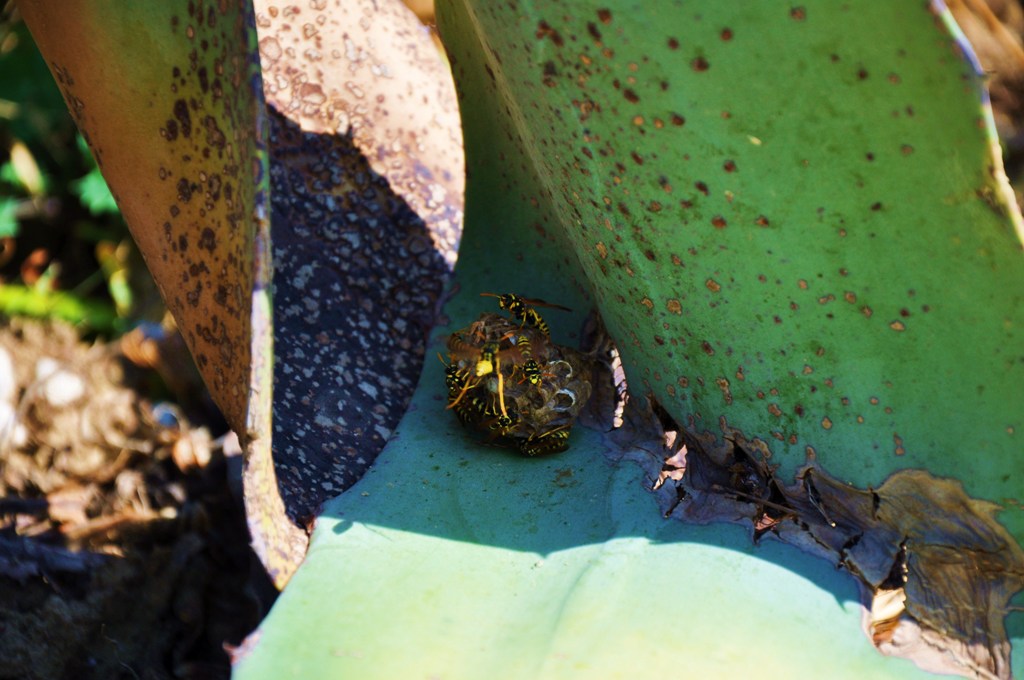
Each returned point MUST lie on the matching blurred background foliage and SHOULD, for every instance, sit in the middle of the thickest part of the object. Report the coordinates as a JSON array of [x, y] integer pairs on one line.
[[65, 251]]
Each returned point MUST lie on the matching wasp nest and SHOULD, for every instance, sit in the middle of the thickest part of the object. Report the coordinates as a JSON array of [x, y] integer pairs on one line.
[[508, 380]]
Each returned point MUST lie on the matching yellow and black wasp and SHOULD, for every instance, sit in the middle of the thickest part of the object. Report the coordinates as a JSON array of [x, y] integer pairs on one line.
[[486, 359], [529, 368], [459, 382], [522, 310], [552, 441]]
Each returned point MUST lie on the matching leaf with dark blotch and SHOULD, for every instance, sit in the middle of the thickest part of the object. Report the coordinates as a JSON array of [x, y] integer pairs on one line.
[[367, 180], [175, 134], [366, 177], [168, 97]]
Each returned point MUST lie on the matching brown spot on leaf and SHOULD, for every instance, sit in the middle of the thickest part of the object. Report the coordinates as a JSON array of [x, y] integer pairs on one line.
[[184, 190], [208, 240], [214, 136], [544, 30], [183, 117], [723, 384]]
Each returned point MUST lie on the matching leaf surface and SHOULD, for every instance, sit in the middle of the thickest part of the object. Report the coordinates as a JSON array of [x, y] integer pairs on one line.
[[793, 223], [176, 135]]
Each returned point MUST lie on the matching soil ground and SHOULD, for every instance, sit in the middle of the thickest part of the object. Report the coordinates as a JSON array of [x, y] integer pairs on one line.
[[123, 546]]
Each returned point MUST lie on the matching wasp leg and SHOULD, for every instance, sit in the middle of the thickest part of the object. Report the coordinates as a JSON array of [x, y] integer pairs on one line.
[[465, 388], [501, 386]]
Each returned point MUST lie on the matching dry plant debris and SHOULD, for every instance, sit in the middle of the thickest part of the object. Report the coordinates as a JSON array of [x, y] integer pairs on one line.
[[123, 550]]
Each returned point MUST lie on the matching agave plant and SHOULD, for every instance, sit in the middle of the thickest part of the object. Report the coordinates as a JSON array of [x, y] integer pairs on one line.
[[792, 222]]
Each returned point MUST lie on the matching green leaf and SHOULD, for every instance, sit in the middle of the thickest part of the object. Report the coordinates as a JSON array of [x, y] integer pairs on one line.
[[449, 560], [9, 226], [23, 301], [791, 219], [93, 192], [820, 254], [8, 175]]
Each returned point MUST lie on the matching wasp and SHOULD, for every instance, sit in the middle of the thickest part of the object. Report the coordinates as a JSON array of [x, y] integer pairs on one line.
[[552, 441], [530, 367], [487, 357], [488, 360], [522, 310], [502, 424], [459, 383]]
